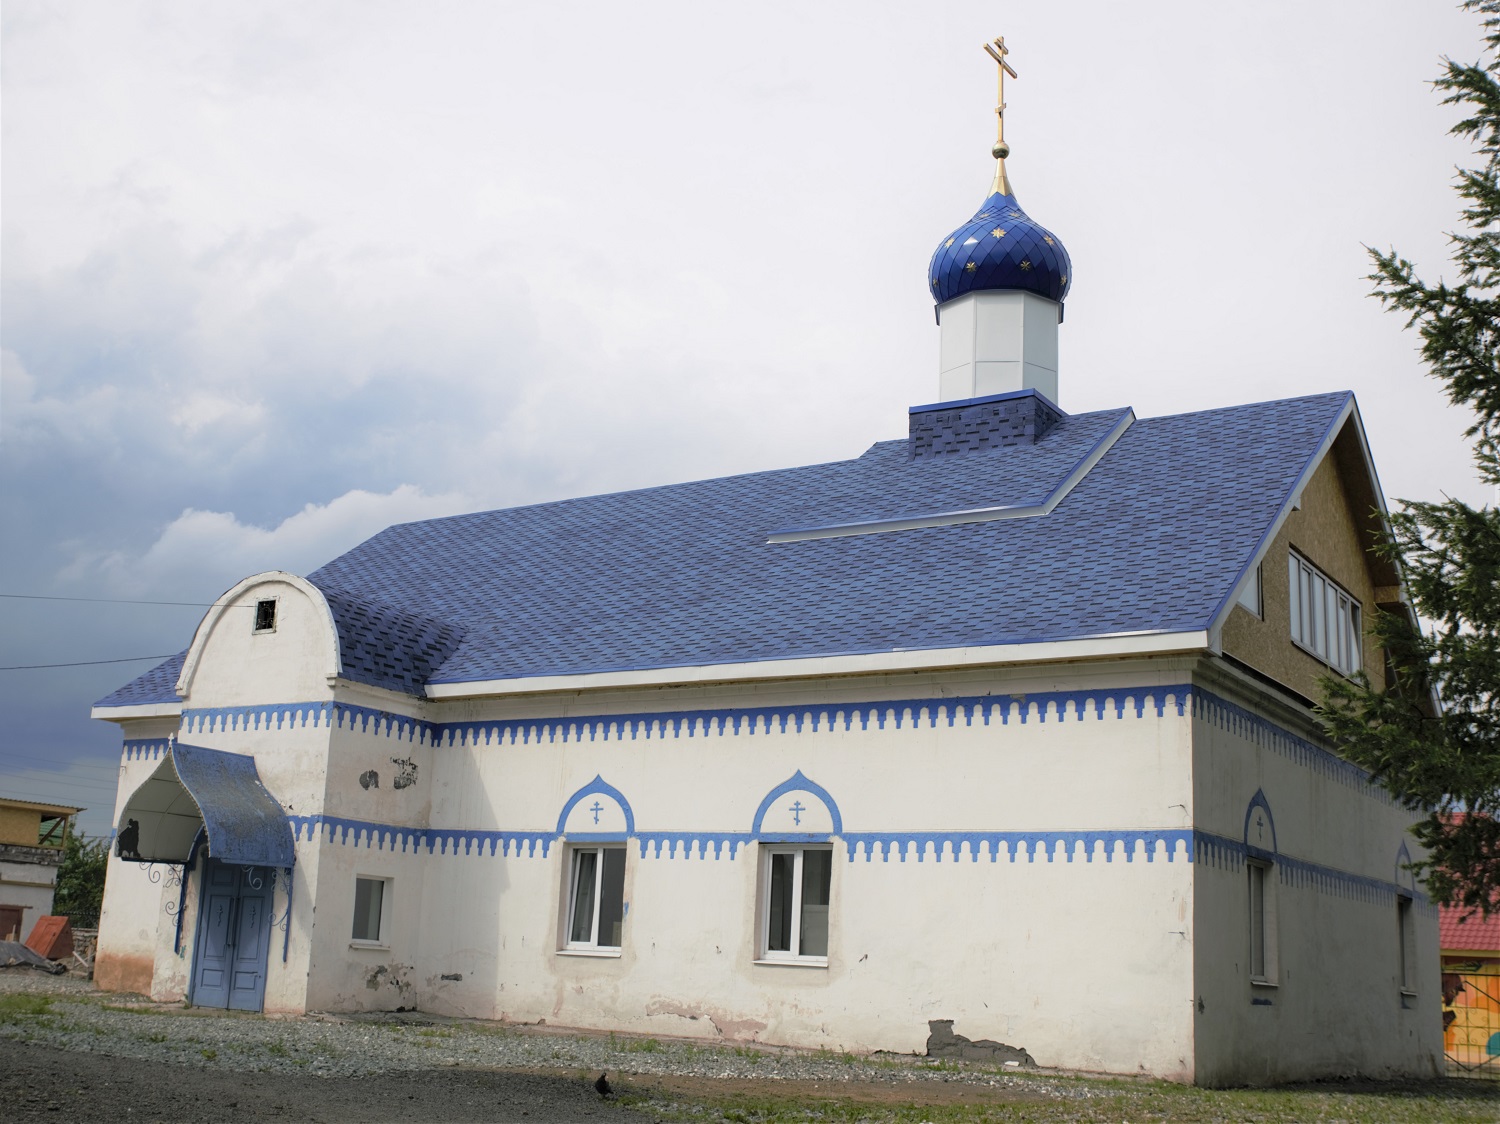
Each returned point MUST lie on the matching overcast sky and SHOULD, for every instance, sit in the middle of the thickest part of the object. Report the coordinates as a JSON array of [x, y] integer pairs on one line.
[[277, 274]]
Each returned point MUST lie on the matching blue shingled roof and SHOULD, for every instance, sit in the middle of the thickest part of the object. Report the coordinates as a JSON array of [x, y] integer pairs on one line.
[[386, 647], [159, 685], [1154, 538]]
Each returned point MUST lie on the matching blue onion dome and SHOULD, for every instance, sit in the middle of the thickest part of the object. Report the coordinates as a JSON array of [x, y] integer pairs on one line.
[[1001, 247]]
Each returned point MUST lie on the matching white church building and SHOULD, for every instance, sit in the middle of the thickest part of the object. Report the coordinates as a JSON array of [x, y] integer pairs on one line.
[[1007, 722]]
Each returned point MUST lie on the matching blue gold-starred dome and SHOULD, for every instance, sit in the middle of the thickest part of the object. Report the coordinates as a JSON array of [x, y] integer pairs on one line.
[[1000, 248]]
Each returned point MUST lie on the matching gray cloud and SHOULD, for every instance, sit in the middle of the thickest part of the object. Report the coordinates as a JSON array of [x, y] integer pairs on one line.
[[275, 274]]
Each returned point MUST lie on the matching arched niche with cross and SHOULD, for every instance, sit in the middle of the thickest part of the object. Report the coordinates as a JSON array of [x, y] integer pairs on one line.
[[797, 809], [597, 809], [1260, 827]]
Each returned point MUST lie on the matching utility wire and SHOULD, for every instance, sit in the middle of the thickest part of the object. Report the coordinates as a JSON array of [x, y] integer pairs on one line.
[[100, 774], [115, 601], [82, 663]]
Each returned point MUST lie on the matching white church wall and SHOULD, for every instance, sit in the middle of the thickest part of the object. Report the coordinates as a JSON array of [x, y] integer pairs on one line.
[[909, 940], [372, 824], [232, 663], [1334, 845], [128, 957], [349, 974]]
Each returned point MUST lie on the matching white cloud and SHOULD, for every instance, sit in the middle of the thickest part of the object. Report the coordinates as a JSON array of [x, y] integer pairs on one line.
[[216, 548], [200, 410]]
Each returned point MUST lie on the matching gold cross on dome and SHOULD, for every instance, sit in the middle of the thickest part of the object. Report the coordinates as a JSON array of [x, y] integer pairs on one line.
[[997, 51]]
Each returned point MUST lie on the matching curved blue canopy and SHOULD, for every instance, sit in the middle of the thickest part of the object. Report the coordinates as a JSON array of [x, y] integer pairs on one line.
[[214, 790]]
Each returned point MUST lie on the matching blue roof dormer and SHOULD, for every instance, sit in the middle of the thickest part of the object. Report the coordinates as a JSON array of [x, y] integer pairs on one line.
[[1001, 247]]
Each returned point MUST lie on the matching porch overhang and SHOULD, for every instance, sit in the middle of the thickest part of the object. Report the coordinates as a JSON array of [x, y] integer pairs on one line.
[[220, 793]]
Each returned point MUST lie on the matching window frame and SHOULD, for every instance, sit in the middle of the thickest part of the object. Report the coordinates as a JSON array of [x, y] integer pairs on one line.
[[591, 947], [793, 956], [1314, 603], [256, 628], [1261, 927], [383, 932], [1406, 944]]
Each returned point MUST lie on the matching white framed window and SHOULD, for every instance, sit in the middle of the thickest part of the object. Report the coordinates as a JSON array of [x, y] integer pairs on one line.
[[372, 912], [596, 899], [1261, 876], [1250, 596], [1406, 943], [1325, 618], [796, 884]]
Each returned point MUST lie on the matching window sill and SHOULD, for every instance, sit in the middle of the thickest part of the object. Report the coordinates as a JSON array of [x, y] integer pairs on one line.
[[1324, 660], [1408, 993], [1263, 983], [596, 953], [796, 962], [371, 946]]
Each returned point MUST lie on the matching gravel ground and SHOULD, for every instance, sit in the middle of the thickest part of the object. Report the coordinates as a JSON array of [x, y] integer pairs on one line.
[[79, 1059]]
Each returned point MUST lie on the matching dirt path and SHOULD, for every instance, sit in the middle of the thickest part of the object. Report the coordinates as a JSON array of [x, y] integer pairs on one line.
[[38, 1083]]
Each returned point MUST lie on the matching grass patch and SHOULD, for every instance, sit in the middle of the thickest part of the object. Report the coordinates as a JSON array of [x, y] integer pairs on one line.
[[276, 1049], [16, 1007], [641, 1046], [125, 1010], [209, 1053], [1086, 1101]]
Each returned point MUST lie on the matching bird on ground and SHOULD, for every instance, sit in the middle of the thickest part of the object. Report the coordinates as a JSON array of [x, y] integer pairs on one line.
[[602, 1086]]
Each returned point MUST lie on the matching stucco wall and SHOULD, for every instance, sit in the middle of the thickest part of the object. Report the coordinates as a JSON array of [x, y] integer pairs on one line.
[[1336, 1007], [1325, 531], [1010, 949]]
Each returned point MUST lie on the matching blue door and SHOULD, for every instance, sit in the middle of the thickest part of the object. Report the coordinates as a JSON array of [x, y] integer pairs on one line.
[[234, 937]]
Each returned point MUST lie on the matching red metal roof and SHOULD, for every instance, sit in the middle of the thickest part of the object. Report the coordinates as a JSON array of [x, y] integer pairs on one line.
[[1469, 934]]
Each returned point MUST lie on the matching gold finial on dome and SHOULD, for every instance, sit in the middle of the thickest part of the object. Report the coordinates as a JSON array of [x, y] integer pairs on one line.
[[997, 51]]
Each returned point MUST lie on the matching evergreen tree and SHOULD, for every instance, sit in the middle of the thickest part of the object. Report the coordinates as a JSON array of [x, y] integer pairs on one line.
[[80, 881], [1446, 759]]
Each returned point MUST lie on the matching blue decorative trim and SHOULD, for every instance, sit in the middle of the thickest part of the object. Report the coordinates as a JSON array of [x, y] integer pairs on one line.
[[143, 749], [1230, 854], [603, 788], [378, 836], [1058, 706], [797, 783], [1069, 844], [310, 715], [681, 844], [1040, 707], [1235, 719], [1193, 846]]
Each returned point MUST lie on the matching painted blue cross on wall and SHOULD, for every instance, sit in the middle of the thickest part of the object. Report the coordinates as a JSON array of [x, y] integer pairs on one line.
[[797, 809], [596, 808]]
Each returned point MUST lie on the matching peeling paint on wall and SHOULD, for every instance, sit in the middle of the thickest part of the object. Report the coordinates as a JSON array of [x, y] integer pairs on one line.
[[369, 779], [406, 772], [943, 1043], [393, 977]]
